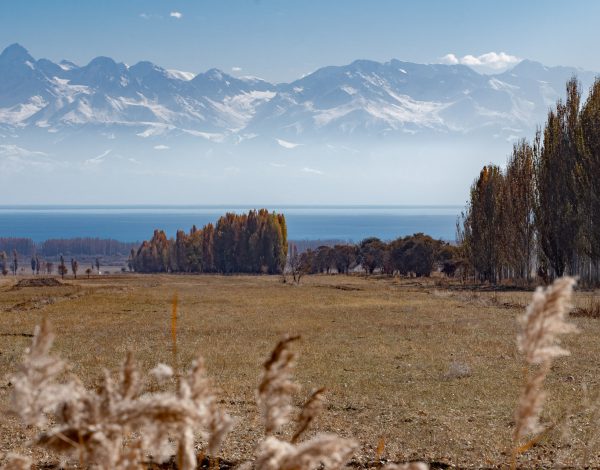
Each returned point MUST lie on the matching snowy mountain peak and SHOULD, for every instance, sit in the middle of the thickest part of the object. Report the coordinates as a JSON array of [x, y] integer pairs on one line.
[[16, 53], [67, 65]]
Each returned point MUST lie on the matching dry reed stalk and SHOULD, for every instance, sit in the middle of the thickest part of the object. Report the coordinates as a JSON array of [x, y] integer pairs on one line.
[[327, 450], [276, 387], [310, 411], [380, 448], [541, 324], [174, 331]]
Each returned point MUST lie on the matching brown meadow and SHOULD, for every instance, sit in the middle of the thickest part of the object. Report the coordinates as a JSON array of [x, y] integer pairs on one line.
[[386, 350]]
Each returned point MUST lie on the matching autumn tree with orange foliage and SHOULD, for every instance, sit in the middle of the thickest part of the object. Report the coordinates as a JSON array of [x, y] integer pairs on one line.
[[239, 243]]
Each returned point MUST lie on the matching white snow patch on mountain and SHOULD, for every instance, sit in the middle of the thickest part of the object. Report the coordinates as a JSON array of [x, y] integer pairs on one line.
[[548, 93], [15, 115], [499, 85], [325, 116], [243, 106], [408, 110], [180, 75]]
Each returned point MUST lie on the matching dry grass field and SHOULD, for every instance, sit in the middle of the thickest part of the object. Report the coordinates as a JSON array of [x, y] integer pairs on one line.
[[413, 369]]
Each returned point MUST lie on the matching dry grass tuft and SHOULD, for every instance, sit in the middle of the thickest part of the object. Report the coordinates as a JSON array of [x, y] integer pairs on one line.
[[591, 310]]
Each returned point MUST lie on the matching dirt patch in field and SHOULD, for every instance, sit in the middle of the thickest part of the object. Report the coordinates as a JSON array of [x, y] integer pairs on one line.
[[30, 305], [24, 335], [343, 287], [38, 282]]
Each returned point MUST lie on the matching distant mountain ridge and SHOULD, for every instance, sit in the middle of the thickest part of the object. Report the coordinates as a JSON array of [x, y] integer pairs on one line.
[[363, 133], [364, 99]]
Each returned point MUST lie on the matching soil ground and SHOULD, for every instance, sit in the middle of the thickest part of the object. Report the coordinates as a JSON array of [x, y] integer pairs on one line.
[[421, 369]]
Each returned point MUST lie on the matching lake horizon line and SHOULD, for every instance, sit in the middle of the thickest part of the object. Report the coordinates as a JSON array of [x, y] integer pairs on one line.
[[25, 207]]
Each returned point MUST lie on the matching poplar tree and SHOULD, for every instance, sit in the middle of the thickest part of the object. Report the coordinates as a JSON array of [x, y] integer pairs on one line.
[[555, 164], [588, 175], [518, 208], [483, 232]]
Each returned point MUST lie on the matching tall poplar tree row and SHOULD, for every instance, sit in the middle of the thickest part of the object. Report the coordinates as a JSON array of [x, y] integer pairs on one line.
[[587, 174], [543, 212], [248, 243]]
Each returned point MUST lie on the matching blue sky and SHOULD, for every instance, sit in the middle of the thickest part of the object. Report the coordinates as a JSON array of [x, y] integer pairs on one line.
[[282, 40]]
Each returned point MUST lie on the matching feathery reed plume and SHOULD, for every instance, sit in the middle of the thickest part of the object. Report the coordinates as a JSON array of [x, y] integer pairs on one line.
[[129, 378], [35, 391], [544, 320], [162, 372], [407, 466], [310, 411], [276, 386], [540, 325], [327, 450], [274, 400], [17, 462], [117, 426], [218, 425]]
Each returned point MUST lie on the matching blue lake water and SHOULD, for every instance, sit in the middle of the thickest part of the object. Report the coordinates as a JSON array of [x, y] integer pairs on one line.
[[135, 223]]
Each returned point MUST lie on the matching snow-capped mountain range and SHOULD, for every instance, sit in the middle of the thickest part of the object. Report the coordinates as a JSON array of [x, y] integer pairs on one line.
[[366, 132], [362, 99]]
